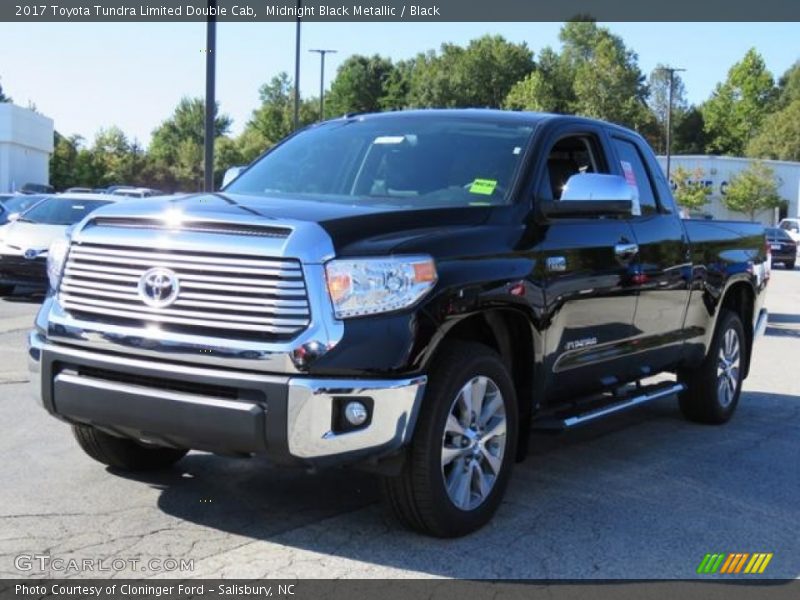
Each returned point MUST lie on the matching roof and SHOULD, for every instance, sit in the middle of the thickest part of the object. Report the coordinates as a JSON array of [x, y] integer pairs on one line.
[[84, 196]]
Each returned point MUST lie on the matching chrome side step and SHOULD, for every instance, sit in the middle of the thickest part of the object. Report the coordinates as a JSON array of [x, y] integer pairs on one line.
[[555, 422]]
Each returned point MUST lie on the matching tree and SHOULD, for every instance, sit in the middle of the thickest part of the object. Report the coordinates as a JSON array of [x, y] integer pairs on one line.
[[688, 135], [779, 137], [478, 75], [789, 86], [274, 119], [360, 85], [3, 97], [738, 106], [63, 161], [118, 159], [658, 100], [610, 86], [548, 88], [752, 191], [176, 149], [690, 190]]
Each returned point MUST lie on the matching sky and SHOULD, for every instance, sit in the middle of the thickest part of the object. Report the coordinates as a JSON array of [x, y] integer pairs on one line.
[[88, 76]]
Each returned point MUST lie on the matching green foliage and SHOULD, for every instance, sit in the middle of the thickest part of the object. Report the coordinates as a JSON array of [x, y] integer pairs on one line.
[[789, 86], [738, 105], [779, 137], [688, 133], [3, 97], [753, 191], [361, 85], [690, 191], [274, 119], [478, 75], [176, 150]]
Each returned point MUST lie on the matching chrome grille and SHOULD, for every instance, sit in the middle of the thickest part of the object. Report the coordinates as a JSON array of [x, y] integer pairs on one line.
[[220, 294]]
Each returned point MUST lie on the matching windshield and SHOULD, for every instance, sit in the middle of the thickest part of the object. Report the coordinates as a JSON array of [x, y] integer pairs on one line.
[[778, 234], [60, 211], [18, 204], [399, 161]]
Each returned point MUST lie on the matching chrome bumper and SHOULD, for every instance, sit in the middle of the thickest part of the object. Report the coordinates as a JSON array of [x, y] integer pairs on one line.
[[288, 418]]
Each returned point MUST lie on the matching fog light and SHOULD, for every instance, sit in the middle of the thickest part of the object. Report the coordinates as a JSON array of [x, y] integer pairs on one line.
[[355, 413]]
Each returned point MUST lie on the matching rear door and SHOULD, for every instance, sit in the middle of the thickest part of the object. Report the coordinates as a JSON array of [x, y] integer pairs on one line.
[[585, 271], [662, 274]]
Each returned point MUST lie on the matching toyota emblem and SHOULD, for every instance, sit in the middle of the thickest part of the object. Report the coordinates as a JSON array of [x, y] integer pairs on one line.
[[158, 287]]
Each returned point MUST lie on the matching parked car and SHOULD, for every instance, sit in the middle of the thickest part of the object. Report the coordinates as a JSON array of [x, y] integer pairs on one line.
[[19, 203], [5, 197], [408, 293], [79, 190], [792, 227], [136, 192], [36, 188], [24, 242], [782, 247]]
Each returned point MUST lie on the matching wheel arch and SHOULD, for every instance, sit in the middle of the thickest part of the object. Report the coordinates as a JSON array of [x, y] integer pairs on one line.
[[510, 333], [740, 297]]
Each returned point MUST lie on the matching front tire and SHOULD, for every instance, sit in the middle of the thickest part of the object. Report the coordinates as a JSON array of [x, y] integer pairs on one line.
[[713, 389], [460, 460], [122, 453]]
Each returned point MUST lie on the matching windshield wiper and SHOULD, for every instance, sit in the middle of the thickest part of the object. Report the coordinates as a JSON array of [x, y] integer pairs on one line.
[[24, 220]]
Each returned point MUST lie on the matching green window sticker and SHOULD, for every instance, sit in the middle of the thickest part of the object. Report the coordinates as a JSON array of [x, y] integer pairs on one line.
[[485, 187]]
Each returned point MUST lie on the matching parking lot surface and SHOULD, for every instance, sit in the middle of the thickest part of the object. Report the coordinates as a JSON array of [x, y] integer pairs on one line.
[[642, 495]]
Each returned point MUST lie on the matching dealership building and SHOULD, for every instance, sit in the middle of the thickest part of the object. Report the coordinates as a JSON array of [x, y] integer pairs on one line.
[[26, 143], [718, 171]]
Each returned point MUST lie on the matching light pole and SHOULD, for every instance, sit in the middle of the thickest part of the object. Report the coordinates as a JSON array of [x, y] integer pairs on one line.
[[671, 71], [322, 54], [211, 102], [297, 68]]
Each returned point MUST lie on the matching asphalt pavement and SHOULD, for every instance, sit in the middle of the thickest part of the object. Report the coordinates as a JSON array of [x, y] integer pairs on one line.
[[642, 495]]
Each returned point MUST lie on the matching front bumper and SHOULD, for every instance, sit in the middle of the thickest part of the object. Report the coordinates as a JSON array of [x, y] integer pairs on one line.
[[290, 419], [28, 272]]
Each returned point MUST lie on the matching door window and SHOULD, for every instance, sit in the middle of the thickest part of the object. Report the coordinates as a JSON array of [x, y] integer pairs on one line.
[[635, 172], [569, 156]]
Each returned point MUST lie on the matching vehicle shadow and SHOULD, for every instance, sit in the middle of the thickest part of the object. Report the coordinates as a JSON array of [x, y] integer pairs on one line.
[[611, 500]]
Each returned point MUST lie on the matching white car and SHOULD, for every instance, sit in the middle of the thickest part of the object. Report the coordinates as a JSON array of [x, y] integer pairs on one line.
[[792, 227], [24, 241]]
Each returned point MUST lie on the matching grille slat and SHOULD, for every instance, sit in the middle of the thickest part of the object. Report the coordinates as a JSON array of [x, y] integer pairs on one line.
[[226, 295]]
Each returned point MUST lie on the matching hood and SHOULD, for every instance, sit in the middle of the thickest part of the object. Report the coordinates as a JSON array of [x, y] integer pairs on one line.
[[360, 228], [18, 237]]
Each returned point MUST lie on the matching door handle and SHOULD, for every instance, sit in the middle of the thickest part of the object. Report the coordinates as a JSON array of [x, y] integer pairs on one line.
[[626, 251]]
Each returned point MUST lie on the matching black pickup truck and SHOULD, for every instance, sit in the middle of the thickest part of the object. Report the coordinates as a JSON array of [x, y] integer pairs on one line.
[[411, 293]]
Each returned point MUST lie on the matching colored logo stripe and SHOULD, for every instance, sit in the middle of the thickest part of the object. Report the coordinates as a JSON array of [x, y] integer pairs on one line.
[[734, 562]]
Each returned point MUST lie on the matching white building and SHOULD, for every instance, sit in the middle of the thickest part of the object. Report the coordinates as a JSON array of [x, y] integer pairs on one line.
[[26, 143], [718, 171]]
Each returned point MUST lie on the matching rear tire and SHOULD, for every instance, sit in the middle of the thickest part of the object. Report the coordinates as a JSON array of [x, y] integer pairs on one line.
[[460, 460], [122, 453], [713, 389]]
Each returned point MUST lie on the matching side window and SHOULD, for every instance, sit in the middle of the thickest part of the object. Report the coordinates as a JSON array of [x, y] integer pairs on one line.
[[635, 173], [568, 156]]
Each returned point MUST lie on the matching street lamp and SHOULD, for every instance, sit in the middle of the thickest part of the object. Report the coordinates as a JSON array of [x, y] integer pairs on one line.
[[671, 71], [322, 54], [297, 67], [211, 103]]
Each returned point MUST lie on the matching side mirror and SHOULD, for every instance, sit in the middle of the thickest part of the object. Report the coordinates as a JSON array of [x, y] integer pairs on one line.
[[594, 195], [231, 174]]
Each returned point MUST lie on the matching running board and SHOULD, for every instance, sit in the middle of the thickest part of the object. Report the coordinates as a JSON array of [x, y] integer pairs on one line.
[[555, 422]]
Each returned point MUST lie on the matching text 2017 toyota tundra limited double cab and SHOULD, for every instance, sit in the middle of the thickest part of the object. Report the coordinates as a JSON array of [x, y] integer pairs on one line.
[[406, 292]]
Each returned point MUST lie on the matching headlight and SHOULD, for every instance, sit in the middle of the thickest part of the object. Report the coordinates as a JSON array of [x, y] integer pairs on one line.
[[366, 286], [56, 256]]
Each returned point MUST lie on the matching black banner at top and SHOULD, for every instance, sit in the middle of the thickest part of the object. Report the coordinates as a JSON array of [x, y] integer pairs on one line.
[[397, 10]]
